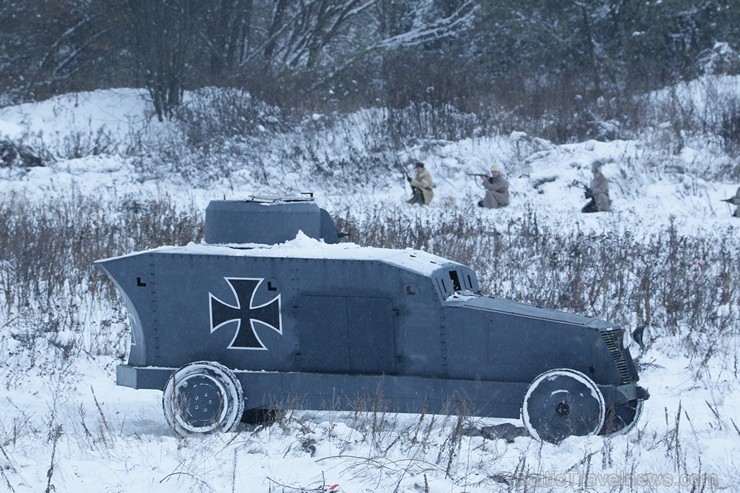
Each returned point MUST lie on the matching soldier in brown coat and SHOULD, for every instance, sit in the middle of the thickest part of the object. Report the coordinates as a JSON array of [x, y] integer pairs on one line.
[[598, 192], [421, 185], [497, 190]]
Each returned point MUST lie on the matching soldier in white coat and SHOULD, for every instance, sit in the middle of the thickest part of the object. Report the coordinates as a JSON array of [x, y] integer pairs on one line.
[[421, 185], [497, 190], [598, 192]]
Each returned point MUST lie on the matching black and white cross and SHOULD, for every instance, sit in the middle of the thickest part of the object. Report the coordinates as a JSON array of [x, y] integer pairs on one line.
[[245, 313]]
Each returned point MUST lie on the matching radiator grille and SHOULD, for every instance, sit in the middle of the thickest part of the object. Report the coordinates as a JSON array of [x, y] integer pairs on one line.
[[612, 340]]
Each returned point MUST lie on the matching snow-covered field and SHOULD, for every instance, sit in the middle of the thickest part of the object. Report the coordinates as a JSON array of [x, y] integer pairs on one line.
[[66, 426]]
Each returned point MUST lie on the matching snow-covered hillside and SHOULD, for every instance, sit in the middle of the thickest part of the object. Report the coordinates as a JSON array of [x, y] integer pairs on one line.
[[66, 426]]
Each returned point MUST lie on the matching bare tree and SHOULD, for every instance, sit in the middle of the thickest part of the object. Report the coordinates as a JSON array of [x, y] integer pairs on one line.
[[225, 34], [163, 34], [312, 48], [298, 31], [431, 25], [48, 47]]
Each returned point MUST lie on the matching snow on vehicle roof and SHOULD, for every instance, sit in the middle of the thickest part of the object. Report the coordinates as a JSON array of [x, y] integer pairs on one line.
[[302, 246]]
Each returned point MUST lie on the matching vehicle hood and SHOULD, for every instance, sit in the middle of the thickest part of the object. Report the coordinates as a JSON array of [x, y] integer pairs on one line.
[[510, 307]]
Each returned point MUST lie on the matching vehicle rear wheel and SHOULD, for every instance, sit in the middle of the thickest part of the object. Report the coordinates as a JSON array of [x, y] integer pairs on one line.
[[621, 418], [203, 397], [561, 403]]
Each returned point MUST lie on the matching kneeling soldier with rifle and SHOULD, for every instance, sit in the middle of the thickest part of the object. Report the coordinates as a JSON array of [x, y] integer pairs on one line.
[[597, 191], [497, 189], [421, 186]]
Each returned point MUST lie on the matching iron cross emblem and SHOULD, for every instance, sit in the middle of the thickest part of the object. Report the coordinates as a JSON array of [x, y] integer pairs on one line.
[[245, 314]]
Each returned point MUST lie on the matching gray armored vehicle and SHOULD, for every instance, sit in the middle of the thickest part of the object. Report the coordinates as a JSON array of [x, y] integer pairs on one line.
[[273, 311]]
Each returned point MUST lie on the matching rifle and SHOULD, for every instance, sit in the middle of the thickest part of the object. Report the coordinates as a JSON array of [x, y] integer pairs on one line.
[[405, 173], [482, 175], [586, 189]]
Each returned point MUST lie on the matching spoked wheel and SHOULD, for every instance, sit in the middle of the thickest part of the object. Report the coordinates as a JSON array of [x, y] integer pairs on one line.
[[562, 403], [621, 418], [203, 397]]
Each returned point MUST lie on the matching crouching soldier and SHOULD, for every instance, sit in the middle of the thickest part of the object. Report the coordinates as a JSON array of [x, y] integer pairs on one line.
[[497, 190], [597, 191], [421, 185]]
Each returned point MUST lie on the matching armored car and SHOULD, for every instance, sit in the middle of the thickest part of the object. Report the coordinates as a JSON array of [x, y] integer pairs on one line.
[[272, 310]]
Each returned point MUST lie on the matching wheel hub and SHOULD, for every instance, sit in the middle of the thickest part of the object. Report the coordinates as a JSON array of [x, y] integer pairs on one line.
[[562, 409], [202, 402]]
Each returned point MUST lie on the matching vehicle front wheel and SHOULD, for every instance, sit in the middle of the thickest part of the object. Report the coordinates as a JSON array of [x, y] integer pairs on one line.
[[203, 397], [561, 403]]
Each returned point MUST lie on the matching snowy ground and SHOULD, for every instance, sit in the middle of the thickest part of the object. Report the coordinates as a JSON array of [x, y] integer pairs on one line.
[[70, 428]]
